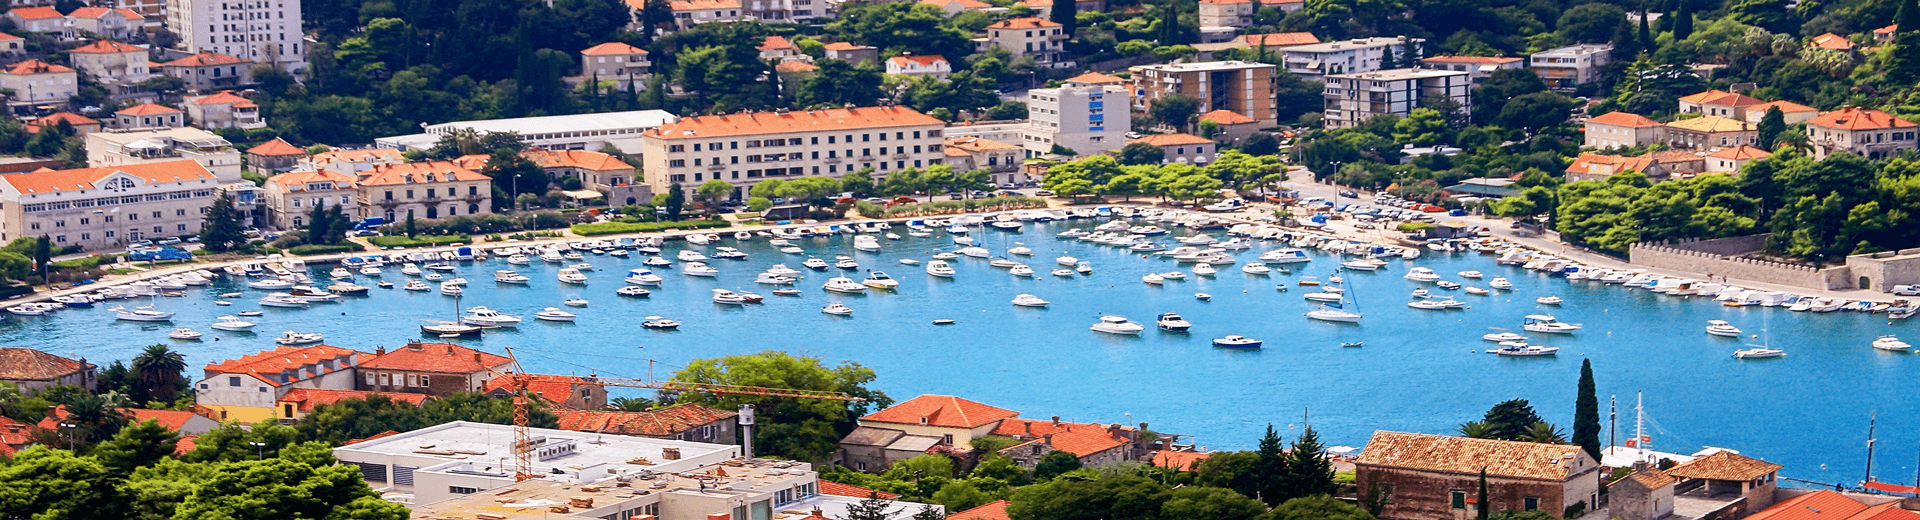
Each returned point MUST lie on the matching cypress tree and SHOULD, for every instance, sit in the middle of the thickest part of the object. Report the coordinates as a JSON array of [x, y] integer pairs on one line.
[[1903, 63], [317, 232], [1666, 15], [1480, 507], [43, 256], [1771, 125], [1586, 412], [1065, 13], [1682, 22], [1646, 33]]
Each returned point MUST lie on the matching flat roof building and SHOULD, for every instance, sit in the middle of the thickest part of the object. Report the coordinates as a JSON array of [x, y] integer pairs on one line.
[[1352, 99], [1244, 87], [742, 149], [569, 132]]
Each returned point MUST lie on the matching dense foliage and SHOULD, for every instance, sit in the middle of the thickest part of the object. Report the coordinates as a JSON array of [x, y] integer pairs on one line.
[[803, 429]]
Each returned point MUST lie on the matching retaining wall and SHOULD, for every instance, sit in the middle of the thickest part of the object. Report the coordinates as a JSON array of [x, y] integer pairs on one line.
[[1716, 257]]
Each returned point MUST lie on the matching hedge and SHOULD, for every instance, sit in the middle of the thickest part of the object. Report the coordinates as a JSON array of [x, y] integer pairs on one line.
[[86, 262], [310, 250], [417, 240], [612, 228]]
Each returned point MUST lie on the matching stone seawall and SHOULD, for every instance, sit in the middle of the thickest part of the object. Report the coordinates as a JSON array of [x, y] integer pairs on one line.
[[1716, 257]]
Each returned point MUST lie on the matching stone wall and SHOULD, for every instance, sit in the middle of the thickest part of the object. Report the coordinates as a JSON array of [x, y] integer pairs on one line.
[[1718, 257], [1881, 271]]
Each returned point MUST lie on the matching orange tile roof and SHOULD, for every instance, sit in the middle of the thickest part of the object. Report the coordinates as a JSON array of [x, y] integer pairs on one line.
[[759, 123], [1721, 98], [54, 181], [1740, 153], [663, 422], [1595, 164], [1023, 23], [968, 144], [1651, 478], [1626, 119], [25, 364], [96, 12], [204, 59], [550, 387], [964, 4], [1704, 96], [381, 435], [36, 13], [1179, 460], [306, 399], [1227, 117], [70, 117], [1095, 78], [435, 357], [1280, 39], [1080, 439], [613, 48], [1447, 58], [774, 43], [223, 97], [1856, 118], [1724, 465], [147, 109], [924, 61], [366, 155], [14, 433], [187, 444], [1887, 30], [276, 147], [828, 487], [35, 66], [297, 181], [5, 36], [844, 46], [1712, 124], [995, 510], [107, 47], [940, 410], [1466, 456], [1832, 41], [1172, 140], [582, 159], [703, 5], [280, 360], [1787, 107], [796, 67], [172, 420], [1827, 504], [950, 151]]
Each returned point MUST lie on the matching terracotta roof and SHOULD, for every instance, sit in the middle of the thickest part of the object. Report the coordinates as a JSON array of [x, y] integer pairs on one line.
[[1787, 107], [828, 487], [760, 123], [1712, 124], [381, 435], [795, 66], [1740, 153], [1627, 119], [70, 117], [663, 422], [366, 155], [1827, 504], [53, 181], [5, 36], [1226, 117], [107, 47], [1080, 439], [1598, 164], [1651, 478], [276, 361], [276, 147], [435, 357], [223, 97], [297, 181], [1023, 23], [1179, 460], [1722, 98], [940, 410], [1831, 41], [1218, 2], [1095, 78], [306, 399], [1172, 140], [187, 444], [549, 387], [96, 12], [582, 159], [1887, 30], [416, 173], [703, 5], [14, 433], [36, 13], [966, 144], [1496, 60], [924, 61], [950, 151], [147, 109], [204, 59], [995, 510], [1724, 466], [964, 4], [1467, 456], [844, 46], [613, 48], [172, 420], [25, 364], [1856, 118], [35, 66], [1280, 39], [777, 43]]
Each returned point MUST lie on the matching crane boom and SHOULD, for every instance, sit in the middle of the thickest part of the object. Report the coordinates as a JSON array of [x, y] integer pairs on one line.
[[681, 386]]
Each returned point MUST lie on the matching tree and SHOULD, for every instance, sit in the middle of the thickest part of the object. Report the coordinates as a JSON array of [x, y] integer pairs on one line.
[[712, 191], [1307, 472], [758, 204], [1211, 503], [1141, 153], [1116, 497], [1260, 144], [337, 422], [1771, 125], [157, 374], [839, 82], [1591, 23], [43, 255], [1007, 111], [1682, 23], [1067, 15], [803, 429], [282, 488], [14, 266], [1174, 110], [412, 228], [1510, 419], [927, 512], [871, 508], [676, 199], [1480, 506], [1543, 433], [1318, 507], [1055, 463], [1500, 87], [1536, 111], [1271, 469], [136, 446], [1586, 412], [1903, 61], [859, 183], [515, 173], [41, 482]]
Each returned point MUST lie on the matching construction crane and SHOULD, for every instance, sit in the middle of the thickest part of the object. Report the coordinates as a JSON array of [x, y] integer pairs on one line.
[[517, 380]]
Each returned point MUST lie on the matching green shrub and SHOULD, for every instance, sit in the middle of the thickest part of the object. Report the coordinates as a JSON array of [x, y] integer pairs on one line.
[[612, 228], [417, 240], [86, 263], [310, 250]]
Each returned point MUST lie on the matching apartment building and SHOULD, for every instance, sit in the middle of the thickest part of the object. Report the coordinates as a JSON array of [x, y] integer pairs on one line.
[[1243, 87], [688, 13], [1181, 148], [261, 31], [117, 66], [1226, 13], [290, 197], [1087, 114], [108, 22], [620, 130], [744, 148], [107, 207], [1478, 68], [1565, 67], [614, 61], [1311, 62], [224, 109], [164, 145], [209, 71], [933, 66], [36, 82], [423, 190], [1864, 131], [1043, 40], [1623, 130], [1352, 99]]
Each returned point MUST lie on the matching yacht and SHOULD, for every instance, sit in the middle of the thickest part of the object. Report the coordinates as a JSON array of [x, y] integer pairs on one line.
[[642, 276], [689, 255], [1722, 328], [656, 261], [485, 317], [1021, 270], [1422, 274], [1174, 275], [783, 270], [1153, 279], [507, 276], [620, 253], [975, 252], [1503, 337], [1333, 312], [1891, 343], [571, 275], [1522, 349], [513, 260], [1361, 264], [339, 273], [1256, 268], [416, 285], [939, 268], [552, 256], [297, 338], [1285, 256], [1063, 272], [1236, 341], [792, 250], [270, 284], [1471, 274], [729, 253], [846, 263], [1758, 352], [1002, 263], [1084, 267], [957, 229], [632, 291], [880, 280], [1171, 322], [1028, 300], [1500, 283], [554, 314], [1476, 291], [1117, 325], [841, 284], [1020, 251], [1433, 304], [726, 297], [659, 323], [1323, 296], [184, 333], [232, 324], [866, 243], [837, 309], [1204, 269], [815, 264], [1546, 324], [1199, 240], [698, 269], [435, 277], [437, 266], [1549, 300], [575, 302], [786, 291], [285, 300], [773, 279]]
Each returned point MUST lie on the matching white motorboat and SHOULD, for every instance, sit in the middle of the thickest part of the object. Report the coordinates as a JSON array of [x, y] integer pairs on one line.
[[1199, 240], [939, 268], [1020, 251], [1549, 300], [793, 250], [689, 255], [620, 253], [1471, 274], [698, 269], [1722, 328], [270, 284], [1172, 322], [514, 260], [506, 276], [1503, 337], [575, 302], [1758, 353], [842, 284], [655, 261], [1084, 267], [1117, 325], [1153, 279], [783, 270], [1546, 324], [438, 266], [743, 236], [1256, 268], [642, 276], [416, 285], [1891, 343], [1430, 304], [698, 239], [632, 291], [1028, 300], [1203, 297], [1021, 270], [957, 229], [1067, 261], [1420, 292], [815, 264], [1236, 341], [1285, 256], [1476, 291], [726, 297], [880, 280], [554, 314], [1422, 274], [1174, 275], [1002, 263], [298, 338], [1360, 264], [773, 279], [339, 273], [571, 275], [1204, 269], [1333, 312], [866, 243], [837, 309], [659, 323], [184, 333], [846, 263], [232, 324], [552, 256], [285, 300], [582, 266], [1522, 349], [1500, 283], [1323, 296], [485, 317], [975, 252], [1063, 272], [435, 277], [451, 289]]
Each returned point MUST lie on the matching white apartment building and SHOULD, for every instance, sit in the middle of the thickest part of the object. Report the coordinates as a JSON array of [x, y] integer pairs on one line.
[[570, 132], [118, 66], [1226, 13], [1041, 39], [935, 66], [36, 82], [114, 148], [261, 31], [106, 207], [209, 70], [1863, 131], [290, 197], [1565, 67], [423, 190], [1312, 61], [108, 22], [1088, 114], [1352, 99], [744, 148], [224, 109], [1479, 68], [688, 13]]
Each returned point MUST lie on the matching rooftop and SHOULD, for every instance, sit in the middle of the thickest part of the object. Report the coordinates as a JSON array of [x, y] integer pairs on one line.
[[995, 510], [1080, 439], [1785, 106], [277, 147], [107, 47], [940, 410], [777, 43], [1280, 39], [1856, 118], [1172, 140], [96, 12], [25, 364], [1627, 119], [1206, 66], [1467, 456], [1095, 78], [844, 46], [297, 181], [1711, 124], [279, 360], [1575, 50], [612, 48], [55, 181], [1179, 460], [663, 422], [1342, 45], [435, 357], [306, 399], [70, 117], [1226, 117], [828, 487], [1740, 153], [1024, 23], [35, 13], [224, 97], [357, 156], [34, 66], [966, 144], [703, 5], [205, 58], [924, 61], [482, 443], [1721, 98], [796, 66], [1831, 41], [147, 109], [1725, 466], [783, 122], [1399, 74], [1827, 504], [1495, 60], [528, 126]]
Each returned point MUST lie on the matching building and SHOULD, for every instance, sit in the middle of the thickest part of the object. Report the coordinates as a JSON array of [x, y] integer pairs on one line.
[[296, 403], [1719, 103], [743, 148], [289, 198], [1094, 444], [436, 369], [1354, 98], [1711, 132], [1225, 13], [683, 422], [613, 177], [1087, 114], [1790, 112], [907, 429], [688, 13], [1036, 38], [1232, 126], [1312, 61], [1885, 34], [851, 53], [614, 61], [29, 370], [1827, 504], [1623, 130], [1433, 476], [1832, 42], [1182, 148], [1732, 159], [112, 23], [954, 7], [118, 66], [224, 109], [1276, 41], [41, 20], [1741, 485], [778, 49], [82, 125], [423, 190], [12, 45], [620, 130], [570, 392], [1478, 68], [35, 82], [209, 71], [1242, 87], [273, 156], [107, 207], [214, 153], [779, 11], [934, 66], [352, 162], [1644, 494], [1000, 160], [1658, 166], [147, 116], [247, 388], [1863, 131], [1565, 67], [260, 32], [1180, 460]]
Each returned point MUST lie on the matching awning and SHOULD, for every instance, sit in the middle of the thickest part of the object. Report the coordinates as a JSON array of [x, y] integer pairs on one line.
[[582, 194]]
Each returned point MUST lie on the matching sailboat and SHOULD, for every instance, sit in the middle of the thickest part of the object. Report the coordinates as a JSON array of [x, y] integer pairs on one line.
[[1760, 351], [449, 329], [1336, 312]]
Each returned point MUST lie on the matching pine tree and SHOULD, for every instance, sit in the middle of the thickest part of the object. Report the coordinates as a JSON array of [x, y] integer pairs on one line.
[[1682, 23], [1586, 412], [1773, 124], [872, 508], [1065, 13], [137, 445], [222, 231], [1903, 63], [1169, 22], [1308, 471], [1626, 44], [1272, 468]]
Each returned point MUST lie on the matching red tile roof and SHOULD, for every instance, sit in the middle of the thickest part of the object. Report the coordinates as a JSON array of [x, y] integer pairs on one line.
[[796, 67], [1723, 465], [1172, 140], [828, 487], [940, 410], [147, 109], [1095, 78], [995, 510], [1467, 456], [1280, 39], [613, 48], [549, 387], [34, 66], [187, 444], [282, 359], [1712, 124], [414, 173], [1832, 41], [1786, 107], [381, 435], [965, 144], [172, 420], [53, 181], [107, 47], [436, 357], [582, 159], [297, 181], [1024, 23], [25, 364], [1740, 153], [774, 43], [70, 117], [758, 123], [703, 5], [1626, 119], [276, 147], [844, 46], [1080, 439], [365, 155], [306, 399], [1722, 98], [1226, 117], [96, 12], [1856, 118], [224, 97], [1179, 460], [15, 433], [924, 61], [205, 58], [663, 422], [1596, 164], [36, 13], [5, 36], [1827, 504]]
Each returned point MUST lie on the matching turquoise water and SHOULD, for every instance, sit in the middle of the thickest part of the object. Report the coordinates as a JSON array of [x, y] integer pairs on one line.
[[1418, 371]]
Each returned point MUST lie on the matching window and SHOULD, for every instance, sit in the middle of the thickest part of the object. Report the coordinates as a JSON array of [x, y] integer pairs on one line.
[[948, 439], [233, 381], [1459, 499], [462, 490], [1532, 503]]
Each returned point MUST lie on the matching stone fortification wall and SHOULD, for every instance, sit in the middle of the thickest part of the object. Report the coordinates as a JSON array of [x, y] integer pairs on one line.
[[1718, 258]]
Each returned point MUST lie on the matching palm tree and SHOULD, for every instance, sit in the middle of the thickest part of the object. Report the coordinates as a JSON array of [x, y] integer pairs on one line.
[[1544, 433], [157, 371], [1476, 430], [631, 404], [1794, 140]]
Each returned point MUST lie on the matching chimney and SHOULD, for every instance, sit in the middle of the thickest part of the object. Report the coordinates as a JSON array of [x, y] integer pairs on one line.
[[1029, 425], [450, 348], [1056, 420], [817, 512], [380, 351], [476, 357]]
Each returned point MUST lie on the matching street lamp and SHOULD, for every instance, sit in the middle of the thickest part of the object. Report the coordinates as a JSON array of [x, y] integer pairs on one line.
[[257, 447], [69, 427]]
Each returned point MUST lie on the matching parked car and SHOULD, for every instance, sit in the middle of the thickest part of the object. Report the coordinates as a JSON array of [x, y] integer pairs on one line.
[[1906, 290], [1350, 194], [954, 196], [1457, 213], [1044, 193]]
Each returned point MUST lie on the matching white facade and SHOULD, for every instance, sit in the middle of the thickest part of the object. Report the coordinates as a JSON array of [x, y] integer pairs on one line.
[[101, 208], [261, 31], [1310, 62], [571, 132], [1031, 37], [1089, 119], [934, 66], [120, 148], [1565, 67], [35, 82], [1352, 99], [742, 149], [1226, 13], [112, 63]]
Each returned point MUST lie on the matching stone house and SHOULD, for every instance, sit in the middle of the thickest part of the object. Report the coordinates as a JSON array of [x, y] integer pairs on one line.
[[578, 393], [209, 70], [1791, 112], [1437, 476], [290, 197], [1037, 38], [274, 155], [1094, 444], [107, 22], [851, 53], [12, 45], [1658, 166], [1645, 494], [352, 161], [1863, 131], [614, 61], [1182, 148], [1732, 159], [1720, 103], [35, 82], [30, 370], [910, 428], [224, 109], [686, 422], [245, 389], [41, 19], [1747, 483], [1623, 130], [934, 66], [1711, 132], [82, 125], [436, 369], [118, 66], [1001, 160]]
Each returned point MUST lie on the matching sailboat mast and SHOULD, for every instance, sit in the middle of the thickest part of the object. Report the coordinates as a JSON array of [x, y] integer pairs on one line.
[[1613, 420], [1639, 422], [1871, 423]]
